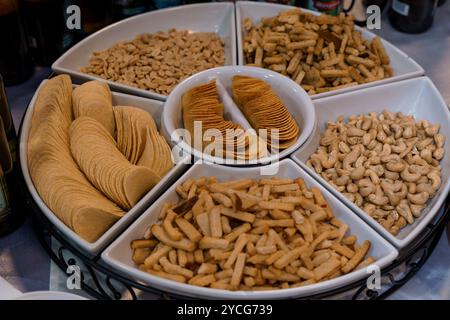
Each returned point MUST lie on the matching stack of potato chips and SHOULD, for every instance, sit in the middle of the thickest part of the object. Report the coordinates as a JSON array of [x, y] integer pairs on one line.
[[265, 110], [76, 165]]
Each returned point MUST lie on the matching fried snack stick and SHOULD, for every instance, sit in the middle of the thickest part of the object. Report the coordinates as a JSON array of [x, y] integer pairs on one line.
[[279, 249]]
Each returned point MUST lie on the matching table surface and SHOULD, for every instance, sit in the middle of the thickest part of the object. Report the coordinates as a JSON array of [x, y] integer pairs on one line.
[[25, 264]]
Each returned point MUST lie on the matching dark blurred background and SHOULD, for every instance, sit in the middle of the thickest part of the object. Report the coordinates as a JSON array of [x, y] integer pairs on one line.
[[35, 33]]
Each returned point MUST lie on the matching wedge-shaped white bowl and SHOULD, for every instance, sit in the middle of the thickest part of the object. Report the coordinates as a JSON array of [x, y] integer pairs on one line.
[[118, 254], [294, 98], [218, 17], [418, 97], [404, 66], [151, 106]]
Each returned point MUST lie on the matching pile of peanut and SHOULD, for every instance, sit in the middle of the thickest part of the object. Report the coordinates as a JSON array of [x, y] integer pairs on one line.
[[158, 61], [387, 164]]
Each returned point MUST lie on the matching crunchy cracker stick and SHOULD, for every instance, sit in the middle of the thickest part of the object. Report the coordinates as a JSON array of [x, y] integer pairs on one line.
[[162, 236], [188, 229], [165, 275], [240, 244], [326, 268], [210, 242], [175, 269], [238, 270], [357, 257], [215, 225]]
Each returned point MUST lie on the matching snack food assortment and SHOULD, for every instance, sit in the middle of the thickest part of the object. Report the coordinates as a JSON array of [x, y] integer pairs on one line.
[[320, 53], [158, 61], [387, 164], [249, 235], [257, 102], [74, 159], [92, 159]]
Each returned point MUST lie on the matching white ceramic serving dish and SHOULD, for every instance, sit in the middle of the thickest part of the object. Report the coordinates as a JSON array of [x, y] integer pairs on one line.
[[154, 108], [49, 295], [293, 96], [8, 292], [211, 17], [118, 254], [418, 97], [404, 67]]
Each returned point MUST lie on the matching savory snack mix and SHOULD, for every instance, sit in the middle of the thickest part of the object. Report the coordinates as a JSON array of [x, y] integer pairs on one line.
[[249, 235], [158, 61], [74, 159], [387, 164], [320, 53]]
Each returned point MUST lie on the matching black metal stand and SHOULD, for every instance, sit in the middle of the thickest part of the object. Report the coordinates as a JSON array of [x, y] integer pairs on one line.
[[102, 282]]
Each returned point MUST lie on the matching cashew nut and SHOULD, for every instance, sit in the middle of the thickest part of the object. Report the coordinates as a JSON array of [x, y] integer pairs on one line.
[[438, 154], [342, 181], [366, 187], [395, 166], [418, 198], [409, 176], [432, 130], [387, 164], [357, 173], [416, 209], [421, 187], [424, 143], [343, 147], [351, 158], [408, 132], [427, 155], [435, 179], [355, 132], [439, 139], [352, 188], [375, 199], [422, 170], [404, 210], [372, 175], [399, 147], [391, 175]]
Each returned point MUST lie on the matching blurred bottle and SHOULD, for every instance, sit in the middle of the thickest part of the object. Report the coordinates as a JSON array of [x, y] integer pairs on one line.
[[48, 34], [11, 200], [15, 59], [301, 3], [286, 2], [161, 4], [412, 16], [196, 1], [333, 7], [441, 2], [122, 9], [95, 15]]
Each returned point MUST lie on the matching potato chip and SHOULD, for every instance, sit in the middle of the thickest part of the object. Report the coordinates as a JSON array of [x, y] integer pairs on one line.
[[265, 110], [202, 104], [139, 140], [56, 176], [93, 99], [96, 153]]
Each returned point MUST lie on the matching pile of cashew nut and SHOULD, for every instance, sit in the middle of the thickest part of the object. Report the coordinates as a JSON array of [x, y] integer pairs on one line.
[[387, 164]]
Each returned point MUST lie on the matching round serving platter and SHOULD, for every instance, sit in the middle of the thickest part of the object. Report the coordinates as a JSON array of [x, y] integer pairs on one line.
[[104, 281]]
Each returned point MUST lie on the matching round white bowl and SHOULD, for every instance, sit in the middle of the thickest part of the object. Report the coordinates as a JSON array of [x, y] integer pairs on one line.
[[293, 96]]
